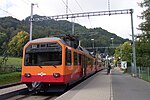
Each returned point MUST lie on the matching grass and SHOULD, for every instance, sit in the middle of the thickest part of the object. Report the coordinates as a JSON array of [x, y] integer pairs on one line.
[[7, 76], [10, 78], [13, 61]]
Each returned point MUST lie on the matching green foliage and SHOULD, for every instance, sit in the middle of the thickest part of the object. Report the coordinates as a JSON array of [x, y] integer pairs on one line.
[[10, 78], [2, 38], [125, 51], [10, 27], [16, 44], [144, 26], [13, 61], [143, 40], [2, 41], [143, 49]]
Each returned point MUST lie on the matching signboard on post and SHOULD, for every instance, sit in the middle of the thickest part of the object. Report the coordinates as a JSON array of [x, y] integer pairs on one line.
[[124, 64]]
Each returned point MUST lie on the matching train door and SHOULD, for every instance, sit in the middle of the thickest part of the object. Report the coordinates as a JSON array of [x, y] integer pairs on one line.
[[80, 64], [83, 65]]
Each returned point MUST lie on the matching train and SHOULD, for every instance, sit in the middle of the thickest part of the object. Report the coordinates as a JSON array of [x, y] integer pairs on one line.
[[53, 63]]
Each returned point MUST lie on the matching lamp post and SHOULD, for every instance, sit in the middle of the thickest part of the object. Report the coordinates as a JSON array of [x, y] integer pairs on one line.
[[112, 41], [93, 44], [31, 20]]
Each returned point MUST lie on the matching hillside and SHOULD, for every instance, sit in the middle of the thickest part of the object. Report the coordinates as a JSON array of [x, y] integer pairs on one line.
[[10, 26]]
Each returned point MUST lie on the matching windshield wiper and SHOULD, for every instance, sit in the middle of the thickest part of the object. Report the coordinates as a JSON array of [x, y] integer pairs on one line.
[[40, 66], [55, 66]]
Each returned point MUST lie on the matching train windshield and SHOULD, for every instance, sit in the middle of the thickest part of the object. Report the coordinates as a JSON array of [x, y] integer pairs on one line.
[[43, 55]]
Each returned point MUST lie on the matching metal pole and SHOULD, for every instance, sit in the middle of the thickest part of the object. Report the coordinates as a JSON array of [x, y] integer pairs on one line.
[[93, 44], [112, 41], [120, 53], [133, 43], [31, 20], [108, 5], [148, 74], [73, 26], [66, 6]]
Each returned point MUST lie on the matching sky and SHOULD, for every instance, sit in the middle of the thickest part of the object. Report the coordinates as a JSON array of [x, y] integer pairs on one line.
[[118, 24]]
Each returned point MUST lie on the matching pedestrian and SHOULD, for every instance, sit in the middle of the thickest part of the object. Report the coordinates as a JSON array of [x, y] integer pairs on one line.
[[109, 69]]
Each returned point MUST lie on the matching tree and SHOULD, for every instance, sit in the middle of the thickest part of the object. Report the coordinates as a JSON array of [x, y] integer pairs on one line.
[[2, 38], [2, 42], [124, 51], [16, 44], [142, 43], [143, 49], [145, 15]]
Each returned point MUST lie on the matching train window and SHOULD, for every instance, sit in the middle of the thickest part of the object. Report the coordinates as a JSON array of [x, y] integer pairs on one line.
[[54, 44], [44, 54], [79, 59], [75, 58], [43, 45], [43, 58], [68, 57], [34, 46]]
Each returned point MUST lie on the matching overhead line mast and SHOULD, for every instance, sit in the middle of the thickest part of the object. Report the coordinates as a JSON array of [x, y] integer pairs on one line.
[[98, 13], [31, 20], [85, 14]]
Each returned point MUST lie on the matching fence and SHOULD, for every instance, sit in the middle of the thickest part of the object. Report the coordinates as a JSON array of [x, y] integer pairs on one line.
[[142, 72]]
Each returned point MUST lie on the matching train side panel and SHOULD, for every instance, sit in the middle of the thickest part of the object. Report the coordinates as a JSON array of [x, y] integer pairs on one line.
[[73, 69]]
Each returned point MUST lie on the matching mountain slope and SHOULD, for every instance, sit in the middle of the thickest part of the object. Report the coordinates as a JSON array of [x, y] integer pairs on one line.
[[11, 26]]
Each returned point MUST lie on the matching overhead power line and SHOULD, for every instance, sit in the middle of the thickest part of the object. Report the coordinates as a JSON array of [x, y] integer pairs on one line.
[[83, 12], [79, 6], [90, 22], [28, 3], [68, 9], [108, 5], [66, 6], [7, 12]]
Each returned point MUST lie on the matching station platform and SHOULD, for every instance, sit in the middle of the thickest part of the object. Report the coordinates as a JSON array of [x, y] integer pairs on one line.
[[116, 86]]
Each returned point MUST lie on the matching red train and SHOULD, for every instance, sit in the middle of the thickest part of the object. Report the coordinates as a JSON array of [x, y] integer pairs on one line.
[[51, 64]]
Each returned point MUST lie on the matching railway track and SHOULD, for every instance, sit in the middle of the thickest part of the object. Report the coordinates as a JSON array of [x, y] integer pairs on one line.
[[20, 92], [23, 94], [34, 96]]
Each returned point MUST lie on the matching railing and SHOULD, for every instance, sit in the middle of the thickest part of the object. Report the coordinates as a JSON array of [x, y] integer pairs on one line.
[[142, 72]]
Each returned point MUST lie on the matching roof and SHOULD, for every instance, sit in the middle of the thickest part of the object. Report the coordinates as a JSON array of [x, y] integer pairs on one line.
[[45, 39]]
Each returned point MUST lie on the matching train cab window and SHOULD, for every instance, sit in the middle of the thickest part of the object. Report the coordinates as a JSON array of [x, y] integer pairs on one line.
[[43, 59], [68, 57], [43, 55], [75, 58]]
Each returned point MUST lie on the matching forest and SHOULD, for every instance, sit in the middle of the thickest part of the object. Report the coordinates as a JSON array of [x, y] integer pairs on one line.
[[14, 34]]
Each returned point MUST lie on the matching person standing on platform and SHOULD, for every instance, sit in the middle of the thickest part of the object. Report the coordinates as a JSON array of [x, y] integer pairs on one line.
[[109, 69]]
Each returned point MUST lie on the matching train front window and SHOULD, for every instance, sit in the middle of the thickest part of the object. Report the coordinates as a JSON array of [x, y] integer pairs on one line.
[[43, 59], [44, 56]]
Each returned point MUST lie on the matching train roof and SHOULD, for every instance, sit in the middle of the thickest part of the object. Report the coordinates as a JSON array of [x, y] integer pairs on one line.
[[45, 39], [48, 39]]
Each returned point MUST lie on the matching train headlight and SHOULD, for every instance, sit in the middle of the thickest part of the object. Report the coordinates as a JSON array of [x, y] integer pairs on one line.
[[56, 75], [27, 75]]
